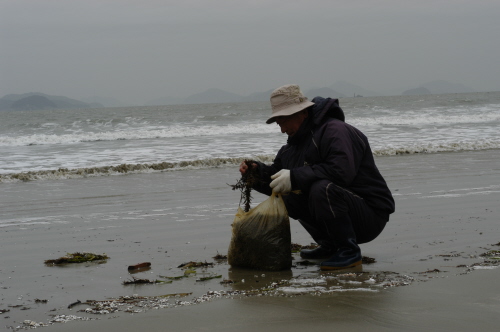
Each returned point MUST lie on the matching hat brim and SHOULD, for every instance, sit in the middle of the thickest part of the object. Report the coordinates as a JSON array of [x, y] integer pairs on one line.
[[292, 109]]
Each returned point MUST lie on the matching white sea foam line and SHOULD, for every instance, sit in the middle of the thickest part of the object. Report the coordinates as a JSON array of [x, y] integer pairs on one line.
[[25, 224], [134, 212], [351, 282], [302, 290], [479, 267], [308, 282], [31, 221], [408, 194], [355, 290], [153, 215], [467, 189], [7, 225], [463, 195]]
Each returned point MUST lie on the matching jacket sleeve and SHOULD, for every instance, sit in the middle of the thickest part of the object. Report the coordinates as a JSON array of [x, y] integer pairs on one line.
[[339, 151], [264, 174]]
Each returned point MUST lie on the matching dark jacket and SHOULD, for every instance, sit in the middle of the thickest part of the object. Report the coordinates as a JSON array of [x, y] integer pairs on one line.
[[325, 147]]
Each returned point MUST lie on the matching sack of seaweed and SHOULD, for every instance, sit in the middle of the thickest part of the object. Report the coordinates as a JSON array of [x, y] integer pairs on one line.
[[261, 237]]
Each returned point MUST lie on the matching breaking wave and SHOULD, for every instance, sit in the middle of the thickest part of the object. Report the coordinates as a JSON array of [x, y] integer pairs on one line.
[[135, 134], [431, 117], [436, 147], [64, 173]]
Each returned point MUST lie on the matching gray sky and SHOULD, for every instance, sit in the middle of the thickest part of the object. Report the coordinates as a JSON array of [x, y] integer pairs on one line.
[[146, 49]]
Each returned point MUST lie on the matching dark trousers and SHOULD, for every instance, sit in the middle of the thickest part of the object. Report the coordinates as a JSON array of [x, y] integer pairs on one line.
[[333, 216]]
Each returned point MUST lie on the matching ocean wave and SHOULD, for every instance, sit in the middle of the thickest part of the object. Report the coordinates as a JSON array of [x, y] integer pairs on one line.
[[122, 169], [428, 117], [436, 147], [64, 173], [136, 134]]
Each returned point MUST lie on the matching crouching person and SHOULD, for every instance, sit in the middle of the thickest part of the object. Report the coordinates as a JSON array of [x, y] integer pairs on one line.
[[327, 168]]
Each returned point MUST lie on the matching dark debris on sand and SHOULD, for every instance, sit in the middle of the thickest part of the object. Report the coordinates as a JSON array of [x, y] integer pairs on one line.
[[77, 257]]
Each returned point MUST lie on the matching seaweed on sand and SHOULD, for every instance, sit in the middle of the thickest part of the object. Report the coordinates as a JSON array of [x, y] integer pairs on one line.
[[195, 264], [298, 247], [368, 260], [209, 278], [77, 257], [137, 281], [493, 254], [219, 257]]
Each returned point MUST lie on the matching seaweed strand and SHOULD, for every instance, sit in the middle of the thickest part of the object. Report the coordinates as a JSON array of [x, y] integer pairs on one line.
[[245, 184]]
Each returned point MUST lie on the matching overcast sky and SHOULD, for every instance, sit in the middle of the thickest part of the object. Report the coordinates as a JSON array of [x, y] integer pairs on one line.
[[140, 50]]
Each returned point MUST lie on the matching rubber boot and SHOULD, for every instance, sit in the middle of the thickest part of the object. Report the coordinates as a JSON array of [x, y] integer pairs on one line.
[[320, 252], [342, 235], [344, 258]]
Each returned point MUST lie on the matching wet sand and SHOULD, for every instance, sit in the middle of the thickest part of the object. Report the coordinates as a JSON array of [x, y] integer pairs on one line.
[[429, 272], [463, 303]]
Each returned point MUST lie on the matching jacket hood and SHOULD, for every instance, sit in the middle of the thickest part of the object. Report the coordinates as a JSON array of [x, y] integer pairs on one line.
[[325, 108]]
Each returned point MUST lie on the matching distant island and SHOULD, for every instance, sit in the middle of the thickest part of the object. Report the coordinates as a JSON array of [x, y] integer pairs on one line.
[[437, 88], [34, 102], [40, 101], [340, 89]]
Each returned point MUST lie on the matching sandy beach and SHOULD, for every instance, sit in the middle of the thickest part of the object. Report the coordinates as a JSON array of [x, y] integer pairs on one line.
[[429, 273]]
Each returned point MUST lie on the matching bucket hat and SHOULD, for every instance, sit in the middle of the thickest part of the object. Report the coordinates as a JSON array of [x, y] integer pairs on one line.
[[287, 100]]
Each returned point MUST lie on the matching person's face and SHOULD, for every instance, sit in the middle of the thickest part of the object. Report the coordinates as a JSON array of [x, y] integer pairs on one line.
[[290, 124]]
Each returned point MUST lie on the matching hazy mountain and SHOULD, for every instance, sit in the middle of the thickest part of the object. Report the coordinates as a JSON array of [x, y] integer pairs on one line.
[[34, 102], [323, 92], [103, 101], [7, 101], [5, 104], [440, 86], [417, 91], [165, 101], [350, 90], [258, 96]]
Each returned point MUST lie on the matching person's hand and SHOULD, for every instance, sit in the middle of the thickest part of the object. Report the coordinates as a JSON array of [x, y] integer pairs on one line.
[[244, 167], [281, 183]]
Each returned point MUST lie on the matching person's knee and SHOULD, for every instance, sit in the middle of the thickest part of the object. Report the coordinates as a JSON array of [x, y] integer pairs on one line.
[[325, 198], [370, 231], [324, 190], [321, 198]]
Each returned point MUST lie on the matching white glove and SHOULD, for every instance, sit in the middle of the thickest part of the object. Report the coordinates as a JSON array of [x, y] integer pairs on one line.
[[281, 183]]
